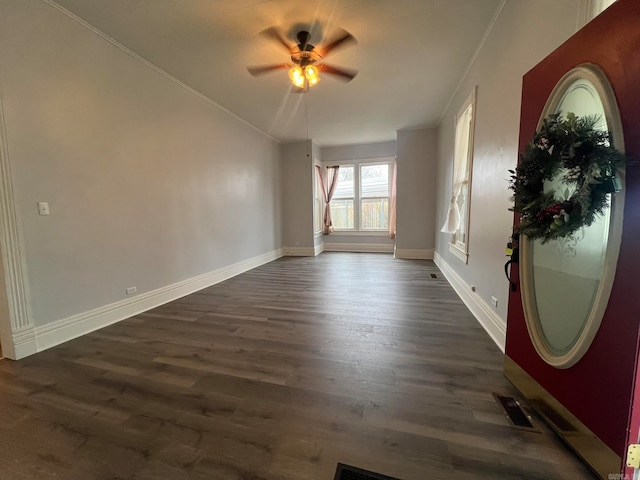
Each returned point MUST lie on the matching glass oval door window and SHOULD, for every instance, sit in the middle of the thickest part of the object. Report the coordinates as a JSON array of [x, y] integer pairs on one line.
[[566, 282]]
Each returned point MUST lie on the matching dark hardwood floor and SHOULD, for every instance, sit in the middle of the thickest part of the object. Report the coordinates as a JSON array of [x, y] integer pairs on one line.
[[278, 374]]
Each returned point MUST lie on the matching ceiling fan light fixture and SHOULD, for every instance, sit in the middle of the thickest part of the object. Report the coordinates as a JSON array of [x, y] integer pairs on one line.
[[297, 76], [300, 77], [306, 63], [312, 74]]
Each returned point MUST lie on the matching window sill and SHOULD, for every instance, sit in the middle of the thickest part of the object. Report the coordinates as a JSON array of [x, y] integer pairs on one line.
[[459, 253], [361, 233]]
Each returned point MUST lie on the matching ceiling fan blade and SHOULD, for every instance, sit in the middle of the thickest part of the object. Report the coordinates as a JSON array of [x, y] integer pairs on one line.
[[274, 34], [262, 69], [342, 73], [341, 40]]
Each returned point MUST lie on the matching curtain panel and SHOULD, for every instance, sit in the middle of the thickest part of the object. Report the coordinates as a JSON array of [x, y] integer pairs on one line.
[[460, 162], [327, 195]]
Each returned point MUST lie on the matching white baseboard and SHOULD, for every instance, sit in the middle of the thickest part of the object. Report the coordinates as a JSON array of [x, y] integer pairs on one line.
[[299, 252], [318, 249], [66, 329], [358, 247], [484, 313], [24, 344], [414, 254]]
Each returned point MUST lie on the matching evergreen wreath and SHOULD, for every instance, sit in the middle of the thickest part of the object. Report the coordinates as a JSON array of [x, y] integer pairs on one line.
[[574, 148]]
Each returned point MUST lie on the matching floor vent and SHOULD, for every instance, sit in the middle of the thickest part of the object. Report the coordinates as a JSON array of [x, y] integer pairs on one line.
[[433, 275], [515, 415], [346, 472]]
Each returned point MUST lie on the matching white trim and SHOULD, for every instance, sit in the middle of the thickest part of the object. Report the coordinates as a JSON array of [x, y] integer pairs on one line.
[[66, 329], [485, 314], [357, 198], [585, 13], [157, 69], [318, 249], [590, 9], [418, 127], [604, 91], [359, 247], [458, 253], [24, 344], [469, 103], [12, 329], [368, 160], [299, 251], [417, 254], [360, 233]]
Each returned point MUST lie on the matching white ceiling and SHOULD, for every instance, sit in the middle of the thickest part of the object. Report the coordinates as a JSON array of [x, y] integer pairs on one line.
[[411, 55]]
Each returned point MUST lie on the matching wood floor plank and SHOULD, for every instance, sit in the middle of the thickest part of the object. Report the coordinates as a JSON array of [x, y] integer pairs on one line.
[[278, 374]]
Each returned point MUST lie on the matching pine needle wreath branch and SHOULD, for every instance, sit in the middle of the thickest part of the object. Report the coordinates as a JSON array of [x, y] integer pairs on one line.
[[582, 155]]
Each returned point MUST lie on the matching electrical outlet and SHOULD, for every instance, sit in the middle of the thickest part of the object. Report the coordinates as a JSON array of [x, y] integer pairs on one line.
[[131, 290], [43, 208], [494, 302]]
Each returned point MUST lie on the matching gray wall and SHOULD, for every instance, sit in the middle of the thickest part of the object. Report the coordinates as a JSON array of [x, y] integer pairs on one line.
[[524, 33], [148, 183], [416, 193], [358, 152], [297, 198]]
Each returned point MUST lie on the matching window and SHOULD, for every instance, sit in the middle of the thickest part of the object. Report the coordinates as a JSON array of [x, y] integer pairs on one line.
[[342, 213], [361, 199], [457, 222], [374, 197]]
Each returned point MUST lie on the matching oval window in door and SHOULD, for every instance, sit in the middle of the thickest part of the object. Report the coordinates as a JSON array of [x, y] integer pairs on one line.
[[566, 282]]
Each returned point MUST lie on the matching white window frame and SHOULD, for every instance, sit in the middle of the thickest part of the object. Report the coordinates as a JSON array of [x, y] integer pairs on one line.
[[353, 198], [460, 247], [360, 197], [357, 164], [318, 200]]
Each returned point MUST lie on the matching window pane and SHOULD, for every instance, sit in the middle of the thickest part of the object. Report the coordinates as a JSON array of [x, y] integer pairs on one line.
[[461, 233], [344, 189], [374, 180], [342, 214], [375, 214], [462, 159]]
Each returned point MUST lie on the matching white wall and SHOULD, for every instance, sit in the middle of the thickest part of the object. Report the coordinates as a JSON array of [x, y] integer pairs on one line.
[[358, 151], [354, 154], [416, 193], [149, 183], [297, 198], [524, 33]]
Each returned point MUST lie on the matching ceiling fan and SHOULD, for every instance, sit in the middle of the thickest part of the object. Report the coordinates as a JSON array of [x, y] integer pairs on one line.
[[307, 59]]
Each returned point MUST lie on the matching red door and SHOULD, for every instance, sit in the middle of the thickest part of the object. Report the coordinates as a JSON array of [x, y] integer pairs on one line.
[[598, 391]]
